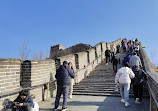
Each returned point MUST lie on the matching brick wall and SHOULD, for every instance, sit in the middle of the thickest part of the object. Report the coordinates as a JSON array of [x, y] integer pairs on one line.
[[38, 72], [9, 78], [9, 75]]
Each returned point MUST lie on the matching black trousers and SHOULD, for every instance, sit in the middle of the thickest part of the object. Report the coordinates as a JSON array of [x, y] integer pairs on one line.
[[107, 57], [138, 91], [115, 67], [118, 50], [124, 49]]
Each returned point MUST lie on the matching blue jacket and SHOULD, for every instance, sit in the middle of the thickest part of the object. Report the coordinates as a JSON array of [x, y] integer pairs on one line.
[[126, 59], [63, 75]]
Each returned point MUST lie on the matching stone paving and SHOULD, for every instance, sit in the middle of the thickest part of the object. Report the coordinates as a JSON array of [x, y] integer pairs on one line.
[[96, 103]]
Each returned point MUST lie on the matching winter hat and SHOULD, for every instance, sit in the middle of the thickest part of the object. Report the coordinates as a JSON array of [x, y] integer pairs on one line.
[[65, 63]]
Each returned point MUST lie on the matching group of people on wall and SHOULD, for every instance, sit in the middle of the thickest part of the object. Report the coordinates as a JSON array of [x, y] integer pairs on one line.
[[130, 72]]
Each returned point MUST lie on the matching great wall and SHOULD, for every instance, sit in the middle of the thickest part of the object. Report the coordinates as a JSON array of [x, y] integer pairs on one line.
[[39, 75]]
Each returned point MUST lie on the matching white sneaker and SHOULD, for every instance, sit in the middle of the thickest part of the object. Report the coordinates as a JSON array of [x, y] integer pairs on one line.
[[123, 100], [127, 104], [70, 96], [106, 63], [137, 101]]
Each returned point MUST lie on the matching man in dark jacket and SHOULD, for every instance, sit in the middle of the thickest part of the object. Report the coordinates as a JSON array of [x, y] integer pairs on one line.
[[63, 76], [138, 83], [115, 60], [107, 54], [23, 102]]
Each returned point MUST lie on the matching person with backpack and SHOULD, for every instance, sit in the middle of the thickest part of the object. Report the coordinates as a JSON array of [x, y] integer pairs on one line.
[[63, 76], [138, 83], [107, 54], [115, 62], [123, 78], [126, 59]]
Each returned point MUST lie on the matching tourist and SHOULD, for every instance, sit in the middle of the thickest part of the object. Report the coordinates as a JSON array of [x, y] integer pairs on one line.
[[23, 102], [115, 60], [118, 49], [136, 49], [126, 59], [138, 83], [107, 54], [123, 78], [112, 50], [124, 46], [135, 61], [72, 80], [63, 75]]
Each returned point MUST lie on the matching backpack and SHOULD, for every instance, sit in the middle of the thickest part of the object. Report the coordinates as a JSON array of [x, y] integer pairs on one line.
[[115, 61], [138, 77]]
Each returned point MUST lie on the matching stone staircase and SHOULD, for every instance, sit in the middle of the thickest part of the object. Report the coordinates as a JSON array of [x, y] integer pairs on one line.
[[100, 82]]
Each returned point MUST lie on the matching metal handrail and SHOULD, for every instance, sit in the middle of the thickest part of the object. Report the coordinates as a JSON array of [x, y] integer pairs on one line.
[[153, 95], [149, 85]]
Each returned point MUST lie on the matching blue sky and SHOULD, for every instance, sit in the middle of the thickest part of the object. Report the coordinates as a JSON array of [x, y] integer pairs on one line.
[[68, 22]]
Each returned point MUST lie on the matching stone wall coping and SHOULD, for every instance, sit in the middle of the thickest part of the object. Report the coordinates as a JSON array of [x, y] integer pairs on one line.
[[148, 65]]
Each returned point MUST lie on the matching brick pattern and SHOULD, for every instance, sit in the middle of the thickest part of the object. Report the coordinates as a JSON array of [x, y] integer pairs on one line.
[[9, 79], [38, 72], [9, 75]]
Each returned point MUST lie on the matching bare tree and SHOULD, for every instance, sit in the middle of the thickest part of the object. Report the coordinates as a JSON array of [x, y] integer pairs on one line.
[[40, 56], [24, 51], [35, 56]]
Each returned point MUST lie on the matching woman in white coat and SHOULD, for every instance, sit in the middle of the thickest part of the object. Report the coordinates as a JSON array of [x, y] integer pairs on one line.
[[123, 78]]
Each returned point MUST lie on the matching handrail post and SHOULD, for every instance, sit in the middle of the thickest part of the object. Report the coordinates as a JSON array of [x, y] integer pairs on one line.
[[150, 102]]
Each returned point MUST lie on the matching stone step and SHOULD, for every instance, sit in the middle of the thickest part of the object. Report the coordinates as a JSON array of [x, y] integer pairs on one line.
[[106, 94], [98, 94], [100, 82], [96, 84]]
